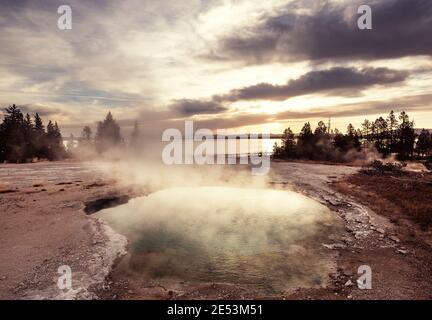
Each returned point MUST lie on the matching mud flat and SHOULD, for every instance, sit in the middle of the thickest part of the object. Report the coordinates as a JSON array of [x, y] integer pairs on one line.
[[46, 221], [43, 226], [399, 269], [401, 264]]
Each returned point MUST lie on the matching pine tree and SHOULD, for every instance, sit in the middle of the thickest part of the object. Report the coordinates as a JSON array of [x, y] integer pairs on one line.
[[12, 139], [288, 143], [38, 124], [86, 133], [108, 134], [306, 142], [54, 142], [321, 129], [424, 143], [28, 136], [306, 131], [392, 131], [39, 136], [22, 140], [381, 135], [406, 136], [366, 130], [351, 130], [49, 138], [60, 151]]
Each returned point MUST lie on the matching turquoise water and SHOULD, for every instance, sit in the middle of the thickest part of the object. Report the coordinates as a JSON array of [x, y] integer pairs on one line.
[[260, 237]]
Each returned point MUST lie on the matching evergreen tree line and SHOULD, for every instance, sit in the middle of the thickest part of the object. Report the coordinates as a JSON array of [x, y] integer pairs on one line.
[[391, 135], [108, 136], [24, 138]]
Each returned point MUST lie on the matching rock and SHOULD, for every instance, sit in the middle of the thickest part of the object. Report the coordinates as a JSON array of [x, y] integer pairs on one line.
[[394, 238], [402, 251], [334, 246], [347, 240], [380, 230], [333, 202], [359, 234], [348, 273], [349, 283], [349, 297], [130, 292]]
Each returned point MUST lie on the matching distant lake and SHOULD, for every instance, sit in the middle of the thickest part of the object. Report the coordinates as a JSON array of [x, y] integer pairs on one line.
[[240, 147]]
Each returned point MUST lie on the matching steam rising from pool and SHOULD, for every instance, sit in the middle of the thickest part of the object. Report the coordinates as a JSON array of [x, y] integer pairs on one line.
[[265, 238]]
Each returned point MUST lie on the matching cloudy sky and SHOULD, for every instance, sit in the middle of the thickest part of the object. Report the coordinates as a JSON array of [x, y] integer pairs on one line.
[[243, 65]]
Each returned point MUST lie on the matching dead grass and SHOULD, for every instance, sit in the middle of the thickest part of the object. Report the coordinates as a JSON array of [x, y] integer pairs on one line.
[[407, 196]]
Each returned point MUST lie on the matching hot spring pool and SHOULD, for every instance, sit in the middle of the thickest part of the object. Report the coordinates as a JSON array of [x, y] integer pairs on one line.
[[264, 238]]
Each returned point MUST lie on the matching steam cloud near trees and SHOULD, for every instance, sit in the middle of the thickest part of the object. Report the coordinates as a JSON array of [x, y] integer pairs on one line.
[[24, 138]]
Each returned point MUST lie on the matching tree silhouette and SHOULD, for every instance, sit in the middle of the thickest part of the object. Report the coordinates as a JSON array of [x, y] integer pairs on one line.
[[28, 136], [381, 135], [86, 133], [54, 142], [305, 142], [108, 134], [424, 143], [321, 129], [387, 135], [13, 144], [406, 135], [22, 140], [288, 143], [392, 125]]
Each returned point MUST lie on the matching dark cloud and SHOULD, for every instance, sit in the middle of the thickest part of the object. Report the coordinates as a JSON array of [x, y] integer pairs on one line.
[[234, 121], [415, 103], [189, 107], [43, 111], [337, 79], [400, 28], [368, 109], [153, 122]]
